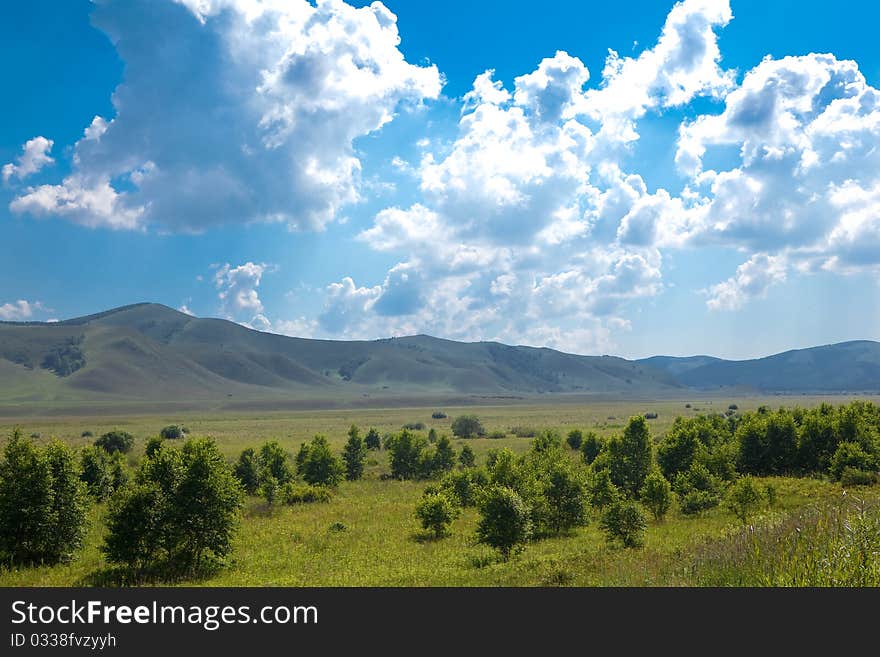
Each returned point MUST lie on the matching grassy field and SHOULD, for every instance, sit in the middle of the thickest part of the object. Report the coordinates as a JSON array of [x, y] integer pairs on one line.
[[367, 535]]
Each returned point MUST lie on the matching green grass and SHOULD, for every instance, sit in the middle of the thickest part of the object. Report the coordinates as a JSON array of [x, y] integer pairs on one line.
[[382, 543]]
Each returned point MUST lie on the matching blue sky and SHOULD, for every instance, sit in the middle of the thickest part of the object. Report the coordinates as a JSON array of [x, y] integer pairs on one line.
[[468, 170]]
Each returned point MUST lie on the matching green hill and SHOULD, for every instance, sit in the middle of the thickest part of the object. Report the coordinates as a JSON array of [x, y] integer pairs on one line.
[[151, 352]]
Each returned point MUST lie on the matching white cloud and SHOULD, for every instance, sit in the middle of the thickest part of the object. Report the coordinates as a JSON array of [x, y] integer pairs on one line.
[[238, 293], [34, 156], [752, 280], [275, 95], [20, 310]]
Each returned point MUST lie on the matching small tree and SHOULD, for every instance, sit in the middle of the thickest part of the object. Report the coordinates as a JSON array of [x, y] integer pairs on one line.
[[154, 444], [657, 494], [173, 432], [67, 518], [436, 512], [467, 458], [505, 522], [629, 456], [432, 435], [274, 460], [591, 445], [354, 454], [444, 455], [467, 426], [102, 472], [602, 492], [116, 441], [566, 498], [744, 499], [575, 439], [372, 439], [406, 455], [624, 521], [247, 471], [321, 466]]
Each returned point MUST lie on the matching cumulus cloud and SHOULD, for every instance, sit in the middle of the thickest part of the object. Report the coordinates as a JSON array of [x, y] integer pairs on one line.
[[238, 293], [20, 310], [276, 93], [752, 280], [34, 156]]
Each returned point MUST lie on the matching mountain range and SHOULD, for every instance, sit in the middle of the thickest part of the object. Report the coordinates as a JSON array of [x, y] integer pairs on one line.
[[149, 352]]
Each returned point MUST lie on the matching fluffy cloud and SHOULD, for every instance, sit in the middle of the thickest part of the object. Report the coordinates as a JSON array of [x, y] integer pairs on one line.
[[20, 310], [235, 111], [238, 294], [34, 156], [752, 279]]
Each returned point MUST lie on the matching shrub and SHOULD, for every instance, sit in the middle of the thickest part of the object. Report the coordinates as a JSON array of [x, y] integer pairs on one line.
[[444, 456], [601, 490], [432, 435], [372, 440], [43, 503], [467, 458], [269, 489], [86, 434], [629, 456], [154, 444], [566, 498], [173, 432], [699, 489], [504, 520], [102, 472], [591, 445], [414, 426], [180, 514], [274, 460], [438, 415], [463, 486], [354, 454], [247, 471], [467, 426], [575, 438], [624, 521], [850, 455], [733, 407], [853, 477], [524, 432], [695, 501], [304, 494], [436, 512], [744, 499], [115, 441], [407, 455], [651, 416], [656, 494], [321, 466], [496, 434]]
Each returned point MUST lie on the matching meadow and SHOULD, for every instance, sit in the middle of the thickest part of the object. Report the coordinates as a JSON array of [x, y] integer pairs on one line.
[[367, 534]]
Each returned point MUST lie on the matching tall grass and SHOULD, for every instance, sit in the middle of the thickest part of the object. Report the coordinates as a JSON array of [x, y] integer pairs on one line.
[[834, 543]]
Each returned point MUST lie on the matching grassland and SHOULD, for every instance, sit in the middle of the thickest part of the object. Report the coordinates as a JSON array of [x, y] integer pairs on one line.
[[380, 542]]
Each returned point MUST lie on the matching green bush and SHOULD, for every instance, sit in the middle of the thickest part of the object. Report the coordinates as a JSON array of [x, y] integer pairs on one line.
[[463, 486], [178, 516], [102, 472], [372, 439], [247, 471], [850, 455], [173, 432], [601, 491], [575, 439], [154, 444], [629, 456], [354, 454], [436, 512], [744, 499], [304, 494], [274, 460], [624, 522], [467, 426], [115, 441], [505, 522], [407, 455], [853, 477], [467, 458], [321, 466], [656, 494], [591, 446], [695, 501], [43, 503]]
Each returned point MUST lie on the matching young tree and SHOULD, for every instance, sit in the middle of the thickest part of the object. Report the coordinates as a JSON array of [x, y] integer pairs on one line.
[[601, 491], [154, 444], [321, 466], [116, 441], [657, 494], [407, 455], [436, 512], [102, 472], [467, 426], [372, 439], [354, 454], [467, 458], [274, 460], [247, 471], [624, 521], [744, 499], [566, 498], [444, 455], [591, 445], [575, 439], [629, 457], [42, 503], [505, 522], [173, 432]]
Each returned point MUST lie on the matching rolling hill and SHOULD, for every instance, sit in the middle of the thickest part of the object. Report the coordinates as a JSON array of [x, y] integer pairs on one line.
[[149, 352]]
